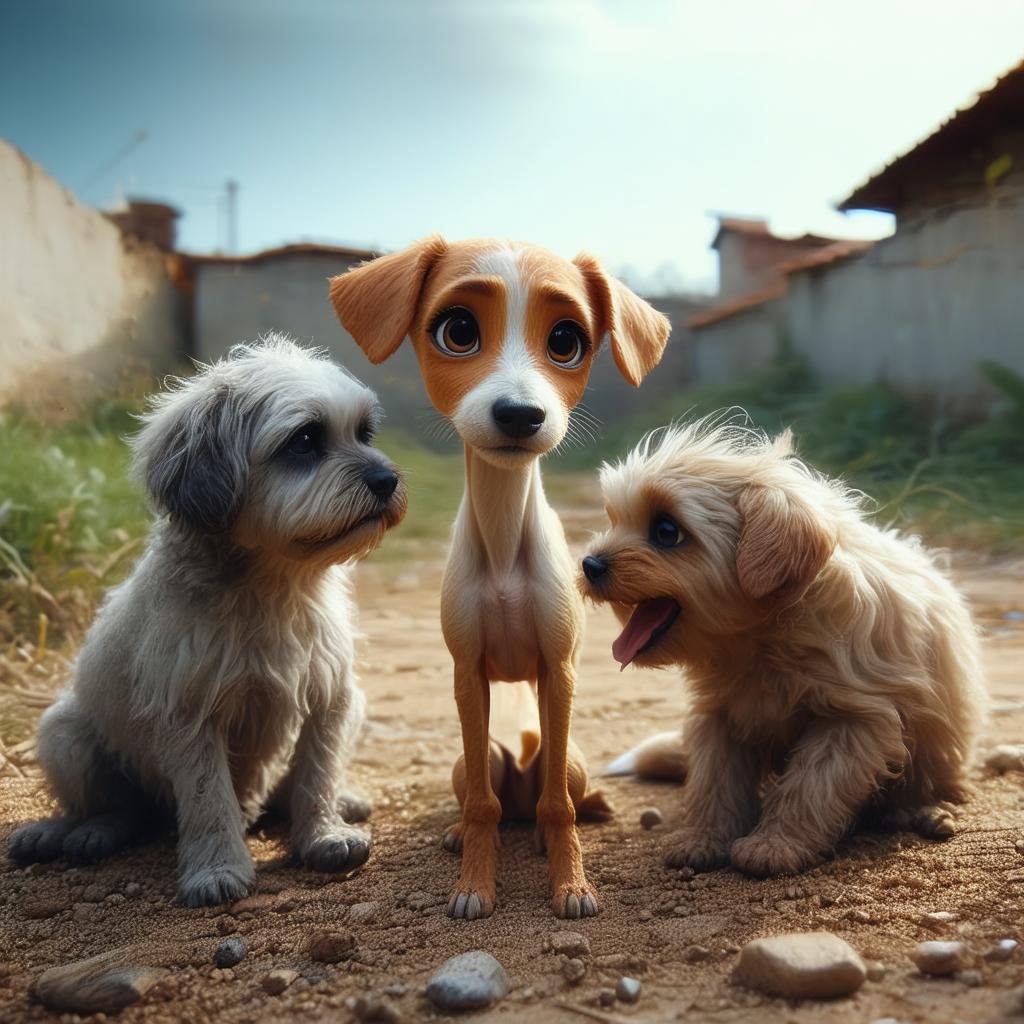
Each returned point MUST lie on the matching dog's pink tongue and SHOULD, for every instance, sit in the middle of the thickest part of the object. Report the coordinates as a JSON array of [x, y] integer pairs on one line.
[[646, 618]]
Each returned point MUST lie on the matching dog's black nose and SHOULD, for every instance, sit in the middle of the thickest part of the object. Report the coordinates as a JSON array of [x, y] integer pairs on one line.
[[516, 419], [594, 567], [381, 481]]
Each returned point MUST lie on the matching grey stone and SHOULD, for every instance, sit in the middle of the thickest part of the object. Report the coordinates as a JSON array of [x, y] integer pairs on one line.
[[469, 981], [230, 952], [362, 913], [627, 990], [569, 943], [1002, 950], [940, 959], [651, 817], [101, 984], [939, 920], [277, 981], [804, 965], [332, 947], [574, 970], [1006, 758]]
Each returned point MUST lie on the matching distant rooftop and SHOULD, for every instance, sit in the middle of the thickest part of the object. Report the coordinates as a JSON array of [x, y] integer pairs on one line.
[[296, 249], [998, 109], [757, 227]]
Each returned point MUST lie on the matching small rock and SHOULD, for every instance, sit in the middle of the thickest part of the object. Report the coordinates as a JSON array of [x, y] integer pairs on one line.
[[469, 981], [627, 990], [100, 984], [370, 1008], [574, 970], [651, 817], [569, 944], [93, 894], [938, 921], [230, 952], [1006, 758], [860, 916], [972, 978], [877, 970], [331, 947], [810, 965], [940, 959], [606, 997], [1002, 950], [885, 1020], [132, 889], [696, 954], [286, 906], [362, 913], [41, 909], [277, 981]]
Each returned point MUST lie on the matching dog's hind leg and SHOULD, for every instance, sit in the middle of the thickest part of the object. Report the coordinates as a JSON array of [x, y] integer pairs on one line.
[[103, 812], [452, 838]]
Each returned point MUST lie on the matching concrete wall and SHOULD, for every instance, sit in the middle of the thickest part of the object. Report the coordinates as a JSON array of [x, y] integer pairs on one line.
[[921, 309], [730, 349], [78, 305], [238, 301]]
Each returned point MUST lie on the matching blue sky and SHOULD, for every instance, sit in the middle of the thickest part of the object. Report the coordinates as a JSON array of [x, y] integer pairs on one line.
[[613, 127]]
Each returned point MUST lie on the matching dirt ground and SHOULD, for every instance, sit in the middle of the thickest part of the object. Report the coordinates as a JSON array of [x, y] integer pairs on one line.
[[874, 893]]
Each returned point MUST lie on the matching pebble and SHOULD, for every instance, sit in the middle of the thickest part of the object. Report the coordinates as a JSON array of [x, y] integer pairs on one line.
[[132, 889], [651, 817], [252, 904], [877, 970], [606, 997], [860, 916], [1006, 757], [93, 894], [627, 990], [100, 984], [469, 981], [41, 909], [574, 970], [971, 978], [230, 952], [1002, 950], [696, 954], [569, 943], [277, 981], [940, 959], [370, 1008], [938, 921], [362, 913], [805, 965], [331, 947]]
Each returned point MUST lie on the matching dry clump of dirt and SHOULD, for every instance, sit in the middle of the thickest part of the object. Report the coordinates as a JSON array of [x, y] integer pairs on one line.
[[677, 933]]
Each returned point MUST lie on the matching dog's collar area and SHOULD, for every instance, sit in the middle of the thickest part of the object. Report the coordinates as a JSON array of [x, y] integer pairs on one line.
[[649, 622]]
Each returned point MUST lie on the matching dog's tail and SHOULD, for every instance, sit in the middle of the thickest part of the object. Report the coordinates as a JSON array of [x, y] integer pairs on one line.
[[658, 757]]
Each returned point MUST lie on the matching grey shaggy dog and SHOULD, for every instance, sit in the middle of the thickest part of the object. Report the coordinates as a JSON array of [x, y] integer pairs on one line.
[[217, 681]]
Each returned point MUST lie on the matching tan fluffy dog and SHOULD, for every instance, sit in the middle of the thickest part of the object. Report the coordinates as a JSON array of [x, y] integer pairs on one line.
[[505, 335], [833, 667]]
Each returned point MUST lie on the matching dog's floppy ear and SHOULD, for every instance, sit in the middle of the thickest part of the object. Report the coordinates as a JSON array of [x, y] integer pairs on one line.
[[783, 545], [376, 301], [638, 332], [191, 457]]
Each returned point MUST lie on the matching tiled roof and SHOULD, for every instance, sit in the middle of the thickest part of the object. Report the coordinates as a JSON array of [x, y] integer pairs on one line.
[[1000, 108], [749, 301], [829, 254], [296, 249]]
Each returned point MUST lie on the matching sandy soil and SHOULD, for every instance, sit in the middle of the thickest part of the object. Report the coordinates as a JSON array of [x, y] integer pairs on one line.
[[874, 893]]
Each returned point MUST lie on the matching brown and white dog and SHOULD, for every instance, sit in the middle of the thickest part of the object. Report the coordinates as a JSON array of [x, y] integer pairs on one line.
[[832, 666], [505, 335]]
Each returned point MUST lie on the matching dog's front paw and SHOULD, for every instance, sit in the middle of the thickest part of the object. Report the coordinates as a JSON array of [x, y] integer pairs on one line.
[[574, 901], [97, 838], [470, 904], [222, 884], [39, 841], [343, 848], [697, 849], [452, 838], [766, 854]]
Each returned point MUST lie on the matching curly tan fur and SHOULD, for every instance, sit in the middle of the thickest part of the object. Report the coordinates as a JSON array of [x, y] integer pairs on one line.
[[833, 667]]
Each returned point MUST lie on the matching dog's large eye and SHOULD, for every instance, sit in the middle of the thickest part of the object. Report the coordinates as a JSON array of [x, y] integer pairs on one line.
[[456, 332], [567, 344], [666, 532], [305, 441]]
